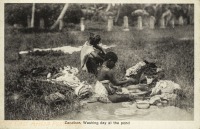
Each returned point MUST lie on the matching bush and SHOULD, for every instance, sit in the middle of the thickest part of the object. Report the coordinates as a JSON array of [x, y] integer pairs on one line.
[[17, 13], [73, 14]]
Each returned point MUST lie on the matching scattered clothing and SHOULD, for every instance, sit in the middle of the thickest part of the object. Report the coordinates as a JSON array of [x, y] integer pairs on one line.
[[134, 69], [101, 92], [164, 90], [83, 91], [67, 76], [145, 72], [100, 89], [165, 86]]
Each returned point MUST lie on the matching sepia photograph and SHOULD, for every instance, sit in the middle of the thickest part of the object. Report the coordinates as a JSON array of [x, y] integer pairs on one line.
[[99, 61]]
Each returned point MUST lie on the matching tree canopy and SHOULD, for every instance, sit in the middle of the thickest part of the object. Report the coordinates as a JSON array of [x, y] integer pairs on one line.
[[18, 13]]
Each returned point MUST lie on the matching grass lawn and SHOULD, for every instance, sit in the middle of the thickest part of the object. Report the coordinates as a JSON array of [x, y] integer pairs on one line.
[[164, 46]]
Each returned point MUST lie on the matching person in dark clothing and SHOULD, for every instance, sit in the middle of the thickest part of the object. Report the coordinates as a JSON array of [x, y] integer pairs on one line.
[[92, 54]]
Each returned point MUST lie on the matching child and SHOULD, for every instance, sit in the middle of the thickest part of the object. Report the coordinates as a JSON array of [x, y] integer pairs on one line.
[[105, 92], [92, 54]]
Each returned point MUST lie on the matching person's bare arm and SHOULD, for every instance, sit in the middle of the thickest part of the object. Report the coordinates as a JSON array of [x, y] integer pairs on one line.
[[116, 82], [96, 55], [100, 48]]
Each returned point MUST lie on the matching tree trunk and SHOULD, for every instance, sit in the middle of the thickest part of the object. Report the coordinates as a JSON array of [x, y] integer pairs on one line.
[[108, 7], [33, 16], [60, 18], [118, 12]]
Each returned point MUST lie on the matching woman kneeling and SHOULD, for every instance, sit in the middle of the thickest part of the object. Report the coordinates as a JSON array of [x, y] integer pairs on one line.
[[107, 85]]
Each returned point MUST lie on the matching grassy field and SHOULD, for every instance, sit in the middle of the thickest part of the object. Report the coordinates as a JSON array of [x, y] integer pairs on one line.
[[164, 46]]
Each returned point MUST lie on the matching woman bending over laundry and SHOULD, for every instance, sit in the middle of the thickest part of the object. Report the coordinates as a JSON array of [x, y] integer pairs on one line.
[[92, 54], [107, 85]]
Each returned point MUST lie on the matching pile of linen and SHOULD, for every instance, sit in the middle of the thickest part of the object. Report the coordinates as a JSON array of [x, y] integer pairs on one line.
[[161, 91], [67, 76]]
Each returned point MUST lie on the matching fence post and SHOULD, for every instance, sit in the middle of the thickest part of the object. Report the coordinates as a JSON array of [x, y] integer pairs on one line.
[[162, 22], [140, 23], [110, 23], [152, 22], [172, 23], [126, 26], [82, 24], [180, 20]]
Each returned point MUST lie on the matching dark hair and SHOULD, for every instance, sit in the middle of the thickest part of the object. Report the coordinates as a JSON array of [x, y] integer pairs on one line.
[[111, 59], [97, 38], [94, 39]]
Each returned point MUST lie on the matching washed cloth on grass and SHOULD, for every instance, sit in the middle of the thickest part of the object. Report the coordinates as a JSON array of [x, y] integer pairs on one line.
[[134, 69], [165, 86], [83, 90], [101, 92], [86, 50], [164, 89], [69, 78], [143, 69]]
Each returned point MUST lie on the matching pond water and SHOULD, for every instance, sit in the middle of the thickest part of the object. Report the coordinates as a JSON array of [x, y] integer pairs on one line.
[[127, 111]]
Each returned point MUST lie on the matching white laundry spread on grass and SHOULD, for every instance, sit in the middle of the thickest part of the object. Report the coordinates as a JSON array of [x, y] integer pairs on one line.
[[66, 49], [67, 76], [187, 38], [134, 69], [165, 86], [164, 90]]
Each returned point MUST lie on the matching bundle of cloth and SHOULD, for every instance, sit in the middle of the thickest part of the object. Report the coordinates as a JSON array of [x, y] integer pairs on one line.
[[67, 76], [164, 90], [144, 72], [160, 90], [134, 69]]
